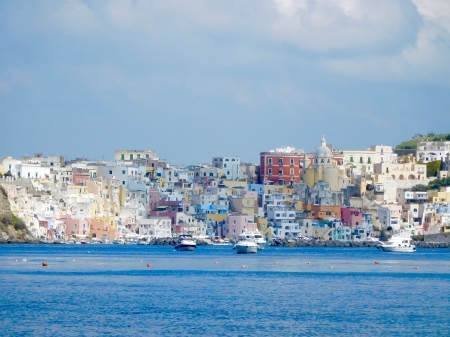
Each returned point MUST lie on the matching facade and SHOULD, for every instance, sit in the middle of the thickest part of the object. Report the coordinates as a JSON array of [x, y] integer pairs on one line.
[[404, 171], [155, 227], [236, 224], [129, 156], [430, 151], [231, 166], [281, 166]]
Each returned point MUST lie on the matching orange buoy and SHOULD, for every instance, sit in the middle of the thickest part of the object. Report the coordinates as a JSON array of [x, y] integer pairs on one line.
[[44, 264], [376, 262], [149, 265]]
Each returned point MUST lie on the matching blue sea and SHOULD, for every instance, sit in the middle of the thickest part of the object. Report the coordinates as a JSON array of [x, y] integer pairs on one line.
[[108, 290]]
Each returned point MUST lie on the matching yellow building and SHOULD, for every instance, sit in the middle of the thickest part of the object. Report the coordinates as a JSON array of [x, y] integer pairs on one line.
[[261, 224], [247, 206], [439, 197], [324, 169]]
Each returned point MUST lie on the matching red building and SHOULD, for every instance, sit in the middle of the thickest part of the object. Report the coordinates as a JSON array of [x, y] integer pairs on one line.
[[281, 166], [80, 176]]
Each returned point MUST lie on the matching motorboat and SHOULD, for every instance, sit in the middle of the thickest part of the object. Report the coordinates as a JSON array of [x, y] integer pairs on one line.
[[185, 243], [398, 244], [259, 239], [221, 242], [247, 244]]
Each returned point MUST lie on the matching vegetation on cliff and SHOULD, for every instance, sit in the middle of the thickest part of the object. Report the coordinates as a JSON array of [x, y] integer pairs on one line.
[[430, 136]]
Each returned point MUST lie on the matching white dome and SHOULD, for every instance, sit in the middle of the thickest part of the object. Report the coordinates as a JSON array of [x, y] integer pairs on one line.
[[323, 150]]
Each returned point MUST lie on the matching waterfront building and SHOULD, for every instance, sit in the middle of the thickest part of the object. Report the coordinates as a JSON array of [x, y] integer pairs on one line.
[[155, 227], [236, 224]]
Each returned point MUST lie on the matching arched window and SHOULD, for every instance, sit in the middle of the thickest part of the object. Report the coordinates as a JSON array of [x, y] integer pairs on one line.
[[270, 161]]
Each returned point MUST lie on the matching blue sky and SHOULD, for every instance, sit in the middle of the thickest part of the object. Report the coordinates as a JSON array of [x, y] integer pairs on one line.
[[197, 79]]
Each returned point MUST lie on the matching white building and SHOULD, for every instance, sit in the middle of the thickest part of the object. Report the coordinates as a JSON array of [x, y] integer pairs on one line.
[[155, 227], [231, 166], [431, 151], [282, 222]]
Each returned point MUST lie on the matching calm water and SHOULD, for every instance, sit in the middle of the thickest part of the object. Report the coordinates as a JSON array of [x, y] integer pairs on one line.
[[92, 290]]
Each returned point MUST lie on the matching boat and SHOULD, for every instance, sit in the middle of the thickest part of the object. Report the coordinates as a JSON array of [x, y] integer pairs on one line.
[[185, 243], [246, 244], [221, 242], [398, 244]]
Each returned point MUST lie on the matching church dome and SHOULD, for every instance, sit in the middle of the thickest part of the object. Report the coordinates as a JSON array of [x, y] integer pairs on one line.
[[323, 151]]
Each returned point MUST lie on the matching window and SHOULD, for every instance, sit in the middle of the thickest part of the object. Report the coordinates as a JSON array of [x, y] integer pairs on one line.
[[123, 182], [361, 159], [139, 156], [122, 156], [292, 172], [146, 156], [280, 161], [292, 161], [228, 172], [270, 161], [369, 161], [131, 157], [280, 172], [351, 159], [123, 172], [269, 172], [110, 172]]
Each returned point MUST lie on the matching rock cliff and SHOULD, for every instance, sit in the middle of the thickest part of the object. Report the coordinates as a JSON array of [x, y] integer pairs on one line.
[[12, 229]]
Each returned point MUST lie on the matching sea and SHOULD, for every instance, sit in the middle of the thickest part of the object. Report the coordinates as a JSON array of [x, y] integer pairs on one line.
[[131, 290]]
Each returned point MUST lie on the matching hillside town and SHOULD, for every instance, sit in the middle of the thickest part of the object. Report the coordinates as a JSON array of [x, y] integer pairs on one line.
[[327, 194]]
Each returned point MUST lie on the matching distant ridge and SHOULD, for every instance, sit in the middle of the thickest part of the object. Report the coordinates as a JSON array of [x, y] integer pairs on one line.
[[412, 143]]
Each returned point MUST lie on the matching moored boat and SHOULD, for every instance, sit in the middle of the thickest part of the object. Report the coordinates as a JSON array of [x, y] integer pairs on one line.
[[398, 244], [246, 244], [185, 243]]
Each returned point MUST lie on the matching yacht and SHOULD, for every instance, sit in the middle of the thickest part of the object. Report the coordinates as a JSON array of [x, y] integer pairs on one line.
[[398, 244], [246, 244], [259, 239], [185, 243]]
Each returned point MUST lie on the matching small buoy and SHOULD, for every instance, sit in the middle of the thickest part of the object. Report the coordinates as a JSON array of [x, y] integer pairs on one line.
[[417, 268], [149, 265], [73, 260], [243, 266], [140, 260], [217, 262], [331, 267], [276, 262], [17, 260], [44, 264], [376, 262], [89, 252], [309, 262]]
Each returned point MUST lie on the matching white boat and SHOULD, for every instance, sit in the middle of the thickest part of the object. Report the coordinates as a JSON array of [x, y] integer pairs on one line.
[[185, 243], [398, 244], [246, 244]]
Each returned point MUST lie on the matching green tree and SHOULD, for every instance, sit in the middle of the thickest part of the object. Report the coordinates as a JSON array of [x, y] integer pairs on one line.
[[420, 188]]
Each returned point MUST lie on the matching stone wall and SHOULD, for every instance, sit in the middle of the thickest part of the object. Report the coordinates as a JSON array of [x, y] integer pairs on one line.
[[441, 237]]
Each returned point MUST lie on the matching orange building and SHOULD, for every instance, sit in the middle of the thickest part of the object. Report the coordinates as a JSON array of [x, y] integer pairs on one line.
[[102, 230], [321, 212]]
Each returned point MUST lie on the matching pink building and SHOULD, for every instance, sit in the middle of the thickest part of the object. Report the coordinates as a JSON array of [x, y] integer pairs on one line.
[[237, 223], [351, 216], [77, 227]]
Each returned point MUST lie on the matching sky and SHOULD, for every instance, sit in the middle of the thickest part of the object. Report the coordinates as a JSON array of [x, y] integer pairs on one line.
[[197, 79]]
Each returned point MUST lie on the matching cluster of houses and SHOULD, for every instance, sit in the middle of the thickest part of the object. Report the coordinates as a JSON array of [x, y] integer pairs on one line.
[[327, 194]]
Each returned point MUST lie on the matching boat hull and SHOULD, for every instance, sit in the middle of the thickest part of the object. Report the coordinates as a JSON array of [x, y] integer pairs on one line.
[[398, 249], [246, 249], [261, 245], [187, 248]]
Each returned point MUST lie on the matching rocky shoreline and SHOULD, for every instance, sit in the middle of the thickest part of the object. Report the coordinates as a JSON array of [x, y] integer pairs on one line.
[[275, 242], [362, 244]]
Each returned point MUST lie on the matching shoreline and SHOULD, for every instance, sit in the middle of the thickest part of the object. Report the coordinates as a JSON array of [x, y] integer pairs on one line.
[[274, 243]]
